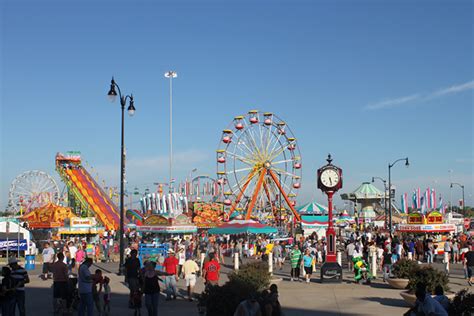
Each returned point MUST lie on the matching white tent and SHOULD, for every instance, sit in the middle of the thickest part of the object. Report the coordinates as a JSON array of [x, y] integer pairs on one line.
[[14, 229]]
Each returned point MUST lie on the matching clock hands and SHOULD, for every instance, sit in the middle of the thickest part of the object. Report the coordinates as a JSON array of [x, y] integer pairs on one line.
[[330, 180]]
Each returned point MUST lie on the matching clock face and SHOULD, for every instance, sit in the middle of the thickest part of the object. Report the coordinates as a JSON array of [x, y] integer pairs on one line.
[[330, 178]]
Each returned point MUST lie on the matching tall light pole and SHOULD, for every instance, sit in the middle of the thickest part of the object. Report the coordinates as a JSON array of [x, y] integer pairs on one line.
[[170, 75], [462, 187], [450, 171], [390, 165], [112, 94], [385, 190]]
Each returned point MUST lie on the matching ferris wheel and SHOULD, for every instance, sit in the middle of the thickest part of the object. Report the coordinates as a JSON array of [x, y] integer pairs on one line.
[[32, 189], [259, 165]]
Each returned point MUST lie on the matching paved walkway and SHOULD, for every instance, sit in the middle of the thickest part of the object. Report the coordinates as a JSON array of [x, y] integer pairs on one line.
[[297, 298]]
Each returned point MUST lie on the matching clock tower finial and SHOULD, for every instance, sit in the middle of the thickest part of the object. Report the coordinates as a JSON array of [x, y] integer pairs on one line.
[[329, 160]]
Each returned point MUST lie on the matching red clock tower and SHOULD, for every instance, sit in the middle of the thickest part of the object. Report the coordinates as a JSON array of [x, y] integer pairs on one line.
[[330, 181]]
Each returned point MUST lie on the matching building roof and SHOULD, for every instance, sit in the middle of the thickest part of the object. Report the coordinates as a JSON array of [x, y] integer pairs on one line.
[[366, 191]]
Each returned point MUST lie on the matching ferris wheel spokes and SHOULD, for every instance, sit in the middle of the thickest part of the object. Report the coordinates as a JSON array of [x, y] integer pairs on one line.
[[285, 196]]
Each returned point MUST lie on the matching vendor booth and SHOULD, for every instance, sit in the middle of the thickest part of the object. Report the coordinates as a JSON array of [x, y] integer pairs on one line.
[[80, 226], [163, 225], [311, 224], [237, 227]]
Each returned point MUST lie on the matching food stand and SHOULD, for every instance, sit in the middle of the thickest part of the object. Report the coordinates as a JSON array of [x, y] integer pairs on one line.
[[432, 223]]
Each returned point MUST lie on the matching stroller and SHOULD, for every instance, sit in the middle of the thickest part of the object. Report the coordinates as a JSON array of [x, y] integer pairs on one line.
[[361, 270]]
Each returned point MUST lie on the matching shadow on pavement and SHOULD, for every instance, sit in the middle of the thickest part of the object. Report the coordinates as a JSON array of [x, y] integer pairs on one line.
[[387, 301], [381, 286], [312, 312]]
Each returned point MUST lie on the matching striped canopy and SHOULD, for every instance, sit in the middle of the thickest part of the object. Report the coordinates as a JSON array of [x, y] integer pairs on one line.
[[238, 226], [312, 208]]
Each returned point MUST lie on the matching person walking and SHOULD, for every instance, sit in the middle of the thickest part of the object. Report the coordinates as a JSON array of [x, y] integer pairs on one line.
[[278, 254], [190, 268], [308, 265], [295, 260], [21, 278], [60, 284], [151, 288], [211, 271], [386, 264], [132, 273], [7, 293], [48, 259], [350, 253], [171, 268], [469, 265], [85, 288]]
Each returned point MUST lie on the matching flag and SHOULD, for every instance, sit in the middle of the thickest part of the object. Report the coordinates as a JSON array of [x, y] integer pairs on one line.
[[404, 204], [433, 199], [418, 198], [428, 198], [415, 205], [441, 206], [423, 205]]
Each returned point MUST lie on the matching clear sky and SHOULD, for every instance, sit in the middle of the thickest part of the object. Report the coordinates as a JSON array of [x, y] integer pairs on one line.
[[367, 81]]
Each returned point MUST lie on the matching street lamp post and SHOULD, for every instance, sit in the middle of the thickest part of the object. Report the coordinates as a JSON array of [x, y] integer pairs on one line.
[[385, 190], [112, 94], [390, 165], [170, 75], [462, 187]]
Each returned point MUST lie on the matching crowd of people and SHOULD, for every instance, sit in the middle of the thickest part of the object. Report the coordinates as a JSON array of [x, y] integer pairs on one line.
[[201, 257]]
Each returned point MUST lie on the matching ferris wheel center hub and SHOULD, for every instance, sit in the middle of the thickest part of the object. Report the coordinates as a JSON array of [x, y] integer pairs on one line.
[[267, 164]]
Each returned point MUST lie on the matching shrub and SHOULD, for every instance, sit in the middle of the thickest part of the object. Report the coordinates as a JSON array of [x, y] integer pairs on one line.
[[254, 276], [462, 304], [429, 276], [223, 300], [404, 268]]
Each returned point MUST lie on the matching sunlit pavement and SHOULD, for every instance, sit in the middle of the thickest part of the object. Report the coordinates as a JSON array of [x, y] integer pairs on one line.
[[297, 298]]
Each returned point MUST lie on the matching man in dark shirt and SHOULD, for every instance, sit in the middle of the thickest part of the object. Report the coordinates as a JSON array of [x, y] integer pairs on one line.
[[469, 264], [60, 279], [132, 272], [21, 278]]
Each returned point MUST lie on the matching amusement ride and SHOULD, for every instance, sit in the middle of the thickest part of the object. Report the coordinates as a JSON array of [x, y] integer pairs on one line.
[[259, 166], [32, 189]]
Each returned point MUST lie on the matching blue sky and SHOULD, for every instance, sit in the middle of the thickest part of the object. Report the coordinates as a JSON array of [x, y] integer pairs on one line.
[[368, 82]]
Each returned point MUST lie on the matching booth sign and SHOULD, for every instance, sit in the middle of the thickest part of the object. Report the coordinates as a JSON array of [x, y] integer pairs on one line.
[[13, 244]]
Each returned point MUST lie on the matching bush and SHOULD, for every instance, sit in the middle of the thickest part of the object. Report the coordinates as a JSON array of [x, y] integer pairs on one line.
[[462, 304], [254, 276], [404, 268], [430, 277], [223, 300]]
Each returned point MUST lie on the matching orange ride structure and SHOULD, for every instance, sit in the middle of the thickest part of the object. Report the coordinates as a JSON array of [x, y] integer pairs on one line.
[[86, 191], [259, 167]]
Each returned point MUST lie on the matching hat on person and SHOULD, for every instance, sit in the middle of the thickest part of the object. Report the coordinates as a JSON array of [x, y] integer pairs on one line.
[[170, 251], [12, 260]]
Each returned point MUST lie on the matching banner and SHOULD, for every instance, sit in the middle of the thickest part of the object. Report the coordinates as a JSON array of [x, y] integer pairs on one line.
[[13, 244]]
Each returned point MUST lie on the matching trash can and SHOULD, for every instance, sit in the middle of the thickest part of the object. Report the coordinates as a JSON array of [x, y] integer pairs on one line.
[[30, 262]]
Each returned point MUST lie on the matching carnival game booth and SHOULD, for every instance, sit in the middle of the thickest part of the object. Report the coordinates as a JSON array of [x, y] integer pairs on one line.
[[430, 224], [80, 226], [311, 224], [158, 225]]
